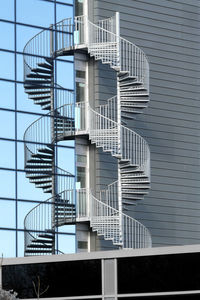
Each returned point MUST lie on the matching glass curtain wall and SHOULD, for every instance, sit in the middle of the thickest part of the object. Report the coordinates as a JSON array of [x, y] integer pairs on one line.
[[20, 20]]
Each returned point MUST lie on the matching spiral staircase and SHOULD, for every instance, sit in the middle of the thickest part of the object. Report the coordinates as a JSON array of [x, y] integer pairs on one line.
[[104, 210]]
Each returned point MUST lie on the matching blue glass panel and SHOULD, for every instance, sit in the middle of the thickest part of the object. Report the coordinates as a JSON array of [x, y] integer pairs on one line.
[[28, 191], [7, 65], [7, 9], [66, 243], [7, 245], [7, 42], [7, 179], [7, 157], [35, 12], [7, 118], [7, 209], [7, 94]]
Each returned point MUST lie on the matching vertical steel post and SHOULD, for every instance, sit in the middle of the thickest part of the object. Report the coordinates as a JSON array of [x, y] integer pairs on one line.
[[52, 115], [119, 124]]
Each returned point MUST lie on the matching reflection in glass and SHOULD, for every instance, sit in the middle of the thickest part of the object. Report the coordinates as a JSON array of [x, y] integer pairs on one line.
[[7, 245], [7, 214], [7, 10], [7, 40], [8, 119], [24, 103], [66, 243], [7, 92], [65, 159], [7, 179], [24, 34], [23, 122], [20, 239], [63, 12], [7, 63], [23, 209], [28, 191], [7, 157], [65, 76], [34, 12]]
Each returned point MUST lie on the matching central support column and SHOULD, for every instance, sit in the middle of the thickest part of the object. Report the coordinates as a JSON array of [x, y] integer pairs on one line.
[[119, 125]]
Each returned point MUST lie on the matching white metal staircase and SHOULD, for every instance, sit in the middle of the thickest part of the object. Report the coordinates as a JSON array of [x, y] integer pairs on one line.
[[103, 125]]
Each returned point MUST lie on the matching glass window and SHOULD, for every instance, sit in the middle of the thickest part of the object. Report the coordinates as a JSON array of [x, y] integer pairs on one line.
[[35, 12], [24, 34], [66, 159], [65, 76], [24, 103], [20, 239], [7, 63], [7, 209], [7, 179], [7, 36], [8, 242], [23, 210], [79, 7], [81, 158], [8, 120], [23, 122], [80, 92], [81, 177], [28, 191], [7, 92], [66, 243], [67, 1], [20, 156], [7, 10], [63, 12], [80, 74], [7, 157]]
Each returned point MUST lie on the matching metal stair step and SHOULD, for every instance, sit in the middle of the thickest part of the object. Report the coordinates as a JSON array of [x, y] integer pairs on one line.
[[43, 103], [49, 60], [40, 166], [41, 246], [130, 81], [48, 236], [33, 87], [40, 70], [45, 156], [127, 191], [34, 75], [36, 81], [36, 160], [39, 92], [45, 66], [125, 95], [43, 241], [37, 251], [45, 150]]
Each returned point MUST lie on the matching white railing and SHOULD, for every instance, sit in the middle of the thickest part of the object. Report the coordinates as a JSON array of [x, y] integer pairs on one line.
[[102, 126], [40, 218], [106, 221]]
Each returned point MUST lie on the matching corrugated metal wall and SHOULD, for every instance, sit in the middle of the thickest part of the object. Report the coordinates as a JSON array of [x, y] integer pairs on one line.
[[169, 33]]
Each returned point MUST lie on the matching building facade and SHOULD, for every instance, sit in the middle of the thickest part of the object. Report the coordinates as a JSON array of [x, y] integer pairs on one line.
[[166, 273], [168, 34]]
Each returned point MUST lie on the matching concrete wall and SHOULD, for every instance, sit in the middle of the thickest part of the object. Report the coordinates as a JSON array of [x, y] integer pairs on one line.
[[169, 33]]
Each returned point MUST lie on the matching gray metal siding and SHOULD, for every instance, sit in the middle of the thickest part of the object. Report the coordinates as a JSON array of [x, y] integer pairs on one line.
[[169, 34]]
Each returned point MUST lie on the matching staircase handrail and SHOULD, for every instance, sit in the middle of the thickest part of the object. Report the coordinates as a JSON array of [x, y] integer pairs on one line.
[[141, 237]]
